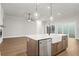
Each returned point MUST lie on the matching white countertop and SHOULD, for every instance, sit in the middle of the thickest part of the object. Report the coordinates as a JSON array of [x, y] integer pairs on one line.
[[38, 37], [55, 37]]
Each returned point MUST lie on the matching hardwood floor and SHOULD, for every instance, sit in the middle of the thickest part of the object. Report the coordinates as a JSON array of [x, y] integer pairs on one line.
[[14, 46], [73, 48]]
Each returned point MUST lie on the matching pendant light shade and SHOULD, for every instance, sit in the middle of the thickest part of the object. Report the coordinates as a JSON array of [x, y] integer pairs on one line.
[[29, 17], [51, 18], [36, 15]]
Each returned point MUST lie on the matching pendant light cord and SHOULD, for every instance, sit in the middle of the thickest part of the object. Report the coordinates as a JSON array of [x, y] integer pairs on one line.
[[51, 9], [36, 7], [50, 13]]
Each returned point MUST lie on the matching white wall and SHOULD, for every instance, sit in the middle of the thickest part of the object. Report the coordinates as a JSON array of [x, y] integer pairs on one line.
[[1, 15], [1, 20], [77, 28], [39, 27], [17, 26]]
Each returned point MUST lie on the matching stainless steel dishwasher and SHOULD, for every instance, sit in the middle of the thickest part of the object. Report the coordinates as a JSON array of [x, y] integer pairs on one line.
[[45, 47]]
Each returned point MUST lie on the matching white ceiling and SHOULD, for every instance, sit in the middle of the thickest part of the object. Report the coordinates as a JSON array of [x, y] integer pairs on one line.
[[18, 9]]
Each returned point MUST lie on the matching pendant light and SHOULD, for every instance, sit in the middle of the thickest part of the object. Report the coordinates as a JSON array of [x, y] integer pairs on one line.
[[29, 17], [51, 16], [36, 11]]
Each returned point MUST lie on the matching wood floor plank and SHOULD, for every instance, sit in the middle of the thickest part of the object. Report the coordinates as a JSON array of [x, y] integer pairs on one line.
[[73, 48], [14, 46]]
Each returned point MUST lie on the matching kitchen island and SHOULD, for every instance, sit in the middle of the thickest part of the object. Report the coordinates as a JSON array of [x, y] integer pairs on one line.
[[29, 45]]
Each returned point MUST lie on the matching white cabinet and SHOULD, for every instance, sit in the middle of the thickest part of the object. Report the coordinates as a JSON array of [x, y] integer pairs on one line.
[[45, 47]]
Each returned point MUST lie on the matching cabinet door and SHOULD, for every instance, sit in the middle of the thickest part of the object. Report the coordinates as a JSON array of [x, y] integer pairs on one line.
[[54, 49], [65, 42], [32, 47], [59, 46]]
